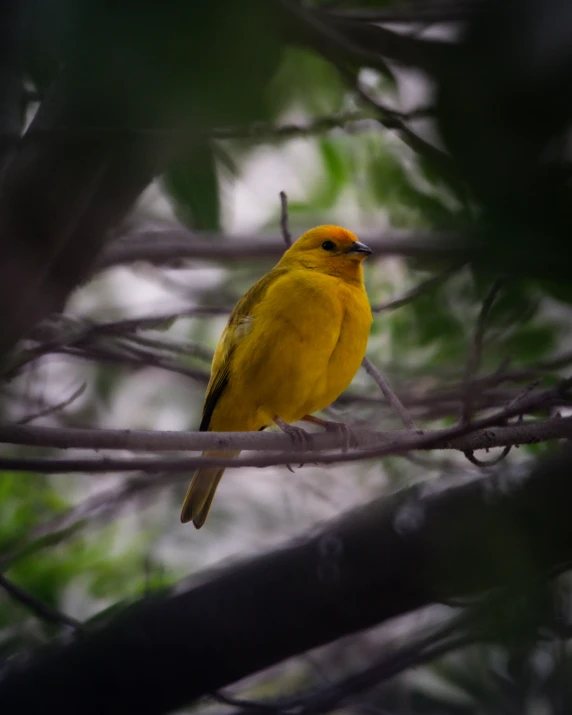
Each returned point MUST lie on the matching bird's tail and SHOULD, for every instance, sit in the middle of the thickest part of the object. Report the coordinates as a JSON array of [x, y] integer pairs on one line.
[[202, 489]]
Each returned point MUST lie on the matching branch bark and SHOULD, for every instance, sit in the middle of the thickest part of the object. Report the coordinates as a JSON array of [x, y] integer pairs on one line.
[[280, 447], [168, 245], [379, 561]]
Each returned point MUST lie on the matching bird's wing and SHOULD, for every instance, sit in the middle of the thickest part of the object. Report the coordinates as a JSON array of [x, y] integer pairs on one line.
[[236, 329]]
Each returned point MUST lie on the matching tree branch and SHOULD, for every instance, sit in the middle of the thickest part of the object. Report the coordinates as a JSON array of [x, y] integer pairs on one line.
[[417, 12], [388, 558], [388, 393], [370, 444], [39, 608], [424, 287], [476, 348], [172, 243]]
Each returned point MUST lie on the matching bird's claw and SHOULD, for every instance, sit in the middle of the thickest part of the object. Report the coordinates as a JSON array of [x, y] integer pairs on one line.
[[348, 436]]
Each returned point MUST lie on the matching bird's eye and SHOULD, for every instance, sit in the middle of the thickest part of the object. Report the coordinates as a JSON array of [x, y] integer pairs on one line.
[[328, 245]]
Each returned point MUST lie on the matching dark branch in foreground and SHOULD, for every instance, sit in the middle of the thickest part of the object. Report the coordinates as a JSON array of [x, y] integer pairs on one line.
[[380, 561]]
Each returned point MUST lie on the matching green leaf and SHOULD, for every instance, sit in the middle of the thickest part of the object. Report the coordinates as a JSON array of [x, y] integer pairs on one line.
[[306, 80], [191, 181]]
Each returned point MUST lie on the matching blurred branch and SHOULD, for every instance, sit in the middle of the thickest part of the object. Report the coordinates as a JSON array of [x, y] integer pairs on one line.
[[143, 360], [51, 409], [391, 119], [345, 40], [100, 507], [414, 293], [476, 349], [286, 235], [394, 660], [388, 393], [39, 608], [350, 120], [115, 342], [168, 245], [262, 130], [510, 529], [257, 131], [442, 11], [12, 16]]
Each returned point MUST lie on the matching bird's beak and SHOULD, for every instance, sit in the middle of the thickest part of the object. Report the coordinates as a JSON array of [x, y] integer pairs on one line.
[[358, 247]]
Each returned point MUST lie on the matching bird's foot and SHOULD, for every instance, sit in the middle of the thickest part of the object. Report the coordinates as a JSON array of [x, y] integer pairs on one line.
[[299, 436], [349, 437]]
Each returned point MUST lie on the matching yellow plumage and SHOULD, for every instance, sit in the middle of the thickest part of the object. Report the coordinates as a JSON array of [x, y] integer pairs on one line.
[[291, 346]]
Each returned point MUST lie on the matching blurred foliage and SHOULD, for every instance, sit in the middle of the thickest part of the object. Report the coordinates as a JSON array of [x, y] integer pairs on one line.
[[191, 181]]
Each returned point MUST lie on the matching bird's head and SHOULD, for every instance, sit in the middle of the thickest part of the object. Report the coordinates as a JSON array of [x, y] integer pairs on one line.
[[329, 249]]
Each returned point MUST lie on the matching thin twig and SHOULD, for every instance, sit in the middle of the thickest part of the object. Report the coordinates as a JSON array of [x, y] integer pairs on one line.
[[504, 454], [475, 354], [101, 507], [258, 131], [50, 409], [156, 322], [286, 235], [521, 395], [103, 355], [388, 393], [414, 293], [248, 705], [437, 642], [392, 119], [489, 462], [262, 131], [40, 609], [425, 12]]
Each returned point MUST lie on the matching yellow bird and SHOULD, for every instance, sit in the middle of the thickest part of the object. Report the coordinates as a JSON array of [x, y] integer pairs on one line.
[[291, 346]]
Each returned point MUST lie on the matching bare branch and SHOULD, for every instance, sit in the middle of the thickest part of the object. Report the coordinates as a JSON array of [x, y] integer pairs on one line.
[[497, 460], [100, 507], [110, 342], [38, 607], [425, 12], [50, 409], [391, 119], [286, 235], [107, 355], [350, 121], [390, 663], [424, 287], [257, 131], [478, 435], [475, 353], [489, 462], [388, 393], [168, 245]]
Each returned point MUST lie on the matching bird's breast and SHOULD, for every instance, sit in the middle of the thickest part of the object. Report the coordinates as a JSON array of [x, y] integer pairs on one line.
[[299, 350]]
